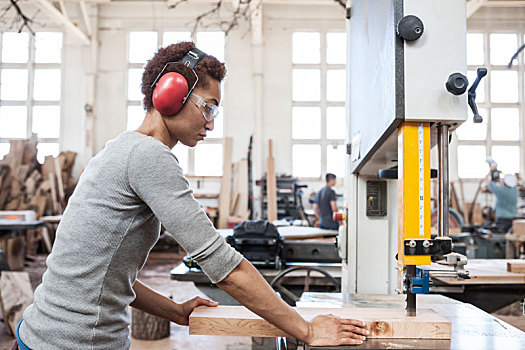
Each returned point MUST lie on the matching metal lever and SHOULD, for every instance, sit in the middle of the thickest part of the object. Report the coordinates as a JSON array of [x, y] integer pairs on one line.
[[472, 95]]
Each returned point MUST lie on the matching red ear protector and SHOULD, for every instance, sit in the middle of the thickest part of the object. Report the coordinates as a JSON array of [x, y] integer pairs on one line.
[[171, 90]]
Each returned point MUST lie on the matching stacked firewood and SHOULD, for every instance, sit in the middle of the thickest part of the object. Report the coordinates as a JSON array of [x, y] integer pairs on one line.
[[26, 184]]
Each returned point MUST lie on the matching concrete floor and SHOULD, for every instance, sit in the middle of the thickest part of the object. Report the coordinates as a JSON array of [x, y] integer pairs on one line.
[[156, 275]]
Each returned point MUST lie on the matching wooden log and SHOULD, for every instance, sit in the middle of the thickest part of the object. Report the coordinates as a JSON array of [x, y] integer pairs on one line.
[[271, 186], [148, 327], [225, 193], [516, 266], [381, 322], [16, 253], [16, 294]]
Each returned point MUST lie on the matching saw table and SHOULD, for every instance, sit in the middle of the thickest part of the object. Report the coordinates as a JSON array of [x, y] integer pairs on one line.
[[472, 328], [490, 286]]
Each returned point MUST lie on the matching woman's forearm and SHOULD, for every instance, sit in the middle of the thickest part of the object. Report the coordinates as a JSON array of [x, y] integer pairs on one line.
[[249, 288], [154, 303]]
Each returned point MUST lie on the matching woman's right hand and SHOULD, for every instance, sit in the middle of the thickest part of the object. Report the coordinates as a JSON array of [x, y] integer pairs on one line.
[[330, 330]]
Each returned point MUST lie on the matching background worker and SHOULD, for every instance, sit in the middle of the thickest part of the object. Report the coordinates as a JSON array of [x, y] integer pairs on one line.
[[506, 192], [325, 204], [113, 219]]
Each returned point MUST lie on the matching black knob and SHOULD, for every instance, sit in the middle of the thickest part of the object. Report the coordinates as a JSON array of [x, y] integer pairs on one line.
[[410, 28], [457, 83]]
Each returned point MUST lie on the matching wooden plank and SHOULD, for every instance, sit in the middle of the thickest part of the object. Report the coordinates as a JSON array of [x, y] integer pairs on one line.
[[16, 154], [16, 294], [226, 183], [233, 202], [206, 195], [518, 227], [56, 205], [240, 185], [271, 186], [516, 266], [381, 322], [60, 183], [477, 217]]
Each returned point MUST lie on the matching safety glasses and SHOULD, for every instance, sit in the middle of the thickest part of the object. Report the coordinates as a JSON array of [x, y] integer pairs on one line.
[[209, 111]]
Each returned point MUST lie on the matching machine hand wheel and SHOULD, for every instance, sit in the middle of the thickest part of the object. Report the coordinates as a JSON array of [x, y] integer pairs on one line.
[[277, 282]]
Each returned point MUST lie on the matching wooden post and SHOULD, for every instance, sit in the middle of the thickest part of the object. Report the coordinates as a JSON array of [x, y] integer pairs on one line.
[[148, 327], [271, 186], [225, 194]]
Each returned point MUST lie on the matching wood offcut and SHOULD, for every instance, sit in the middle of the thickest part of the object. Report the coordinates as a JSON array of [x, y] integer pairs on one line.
[[271, 186], [381, 322], [516, 266]]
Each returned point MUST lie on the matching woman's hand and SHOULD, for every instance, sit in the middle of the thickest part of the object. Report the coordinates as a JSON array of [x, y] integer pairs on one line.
[[186, 308], [332, 330]]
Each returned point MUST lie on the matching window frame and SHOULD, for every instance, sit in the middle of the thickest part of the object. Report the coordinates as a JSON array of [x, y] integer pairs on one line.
[[488, 105], [31, 66], [323, 102]]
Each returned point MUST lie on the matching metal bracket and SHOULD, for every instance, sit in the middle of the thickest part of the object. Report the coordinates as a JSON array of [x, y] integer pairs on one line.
[[432, 247], [420, 284]]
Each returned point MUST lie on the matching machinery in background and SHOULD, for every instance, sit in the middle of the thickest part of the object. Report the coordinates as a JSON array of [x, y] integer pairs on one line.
[[286, 198], [259, 242]]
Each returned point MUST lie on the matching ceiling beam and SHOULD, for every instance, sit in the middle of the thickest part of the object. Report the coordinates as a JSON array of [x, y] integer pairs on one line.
[[505, 3], [473, 6], [85, 16], [60, 18]]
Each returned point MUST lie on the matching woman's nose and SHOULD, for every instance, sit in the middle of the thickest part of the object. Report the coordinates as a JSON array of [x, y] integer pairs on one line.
[[210, 125]]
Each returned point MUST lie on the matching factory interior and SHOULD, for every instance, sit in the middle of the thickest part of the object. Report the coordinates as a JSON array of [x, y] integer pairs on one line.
[[325, 174]]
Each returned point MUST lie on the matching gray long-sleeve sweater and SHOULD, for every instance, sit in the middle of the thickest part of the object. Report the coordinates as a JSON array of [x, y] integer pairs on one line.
[[108, 228]]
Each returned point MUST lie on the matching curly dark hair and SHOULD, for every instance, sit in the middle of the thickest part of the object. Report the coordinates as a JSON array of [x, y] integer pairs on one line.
[[209, 68]]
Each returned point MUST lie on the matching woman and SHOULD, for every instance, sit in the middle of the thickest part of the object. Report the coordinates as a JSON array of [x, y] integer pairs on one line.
[[113, 220]]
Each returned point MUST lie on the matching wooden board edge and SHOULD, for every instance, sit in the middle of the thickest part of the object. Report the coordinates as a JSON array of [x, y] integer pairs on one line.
[[246, 330], [441, 329]]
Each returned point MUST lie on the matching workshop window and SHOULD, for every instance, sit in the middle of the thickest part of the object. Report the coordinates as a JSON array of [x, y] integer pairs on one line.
[[500, 103], [318, 103], [30, 90], [206, 158]]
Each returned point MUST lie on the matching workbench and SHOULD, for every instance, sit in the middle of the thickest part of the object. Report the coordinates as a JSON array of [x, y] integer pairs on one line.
[[472, 328], [490, 286], [295, 232], [8, 227]]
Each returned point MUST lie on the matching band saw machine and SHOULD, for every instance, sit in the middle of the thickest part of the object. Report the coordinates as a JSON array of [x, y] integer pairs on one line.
[[407, 60]]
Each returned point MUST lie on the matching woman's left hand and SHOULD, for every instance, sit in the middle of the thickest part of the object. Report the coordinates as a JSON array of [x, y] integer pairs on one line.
[[186, 308]]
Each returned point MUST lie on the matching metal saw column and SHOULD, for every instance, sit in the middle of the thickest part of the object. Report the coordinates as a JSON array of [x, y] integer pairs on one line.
[[413, 198]]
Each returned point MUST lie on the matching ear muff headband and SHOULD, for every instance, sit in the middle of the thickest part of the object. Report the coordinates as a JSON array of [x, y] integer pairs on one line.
[[171, 90]]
